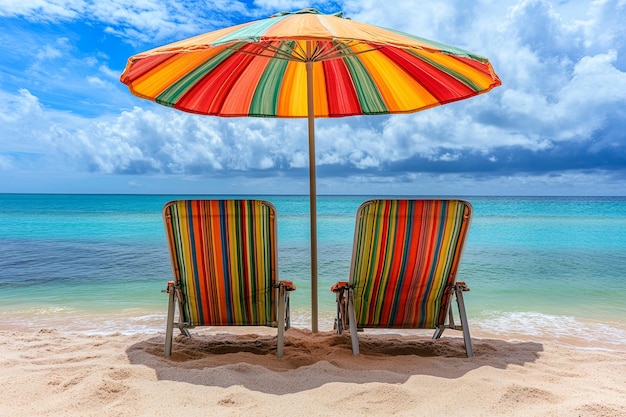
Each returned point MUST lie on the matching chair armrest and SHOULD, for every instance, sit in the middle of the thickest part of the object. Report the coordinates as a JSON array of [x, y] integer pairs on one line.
[[289, 286], [170, 284], [340, 286]]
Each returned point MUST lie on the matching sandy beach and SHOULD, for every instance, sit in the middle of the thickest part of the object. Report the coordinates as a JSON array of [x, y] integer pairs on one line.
[[235, 372]]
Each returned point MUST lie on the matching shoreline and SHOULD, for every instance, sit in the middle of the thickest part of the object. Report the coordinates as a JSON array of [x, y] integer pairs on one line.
[[567, 330]]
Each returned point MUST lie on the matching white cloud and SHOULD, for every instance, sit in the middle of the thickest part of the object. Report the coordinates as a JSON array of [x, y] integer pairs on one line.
[[276, 6], [96, 81], [563, 67], [18, 106], [43, 10], [422, 18], [604, 26], [48, 52], [136, 21]]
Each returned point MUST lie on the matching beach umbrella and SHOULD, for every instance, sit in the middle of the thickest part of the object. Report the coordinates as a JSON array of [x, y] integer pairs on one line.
[[307, 64]]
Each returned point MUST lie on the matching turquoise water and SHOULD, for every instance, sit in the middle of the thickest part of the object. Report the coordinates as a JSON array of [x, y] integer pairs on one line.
[[97, 263]]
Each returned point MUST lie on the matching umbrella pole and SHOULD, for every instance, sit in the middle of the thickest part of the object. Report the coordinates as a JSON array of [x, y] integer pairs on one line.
[[312, 191]]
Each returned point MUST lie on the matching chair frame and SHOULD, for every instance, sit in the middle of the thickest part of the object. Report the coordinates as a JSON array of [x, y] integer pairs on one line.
[[176, 298], [344, 292]]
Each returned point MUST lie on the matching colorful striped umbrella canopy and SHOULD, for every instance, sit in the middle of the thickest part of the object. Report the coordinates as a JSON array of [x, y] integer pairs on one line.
[[307, 64]]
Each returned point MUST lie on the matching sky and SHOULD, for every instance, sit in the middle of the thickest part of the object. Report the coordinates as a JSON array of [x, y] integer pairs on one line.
[[556, 125]]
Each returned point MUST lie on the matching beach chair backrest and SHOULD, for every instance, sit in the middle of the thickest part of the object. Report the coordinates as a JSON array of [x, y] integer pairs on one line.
[[223, 255], [405, 259]]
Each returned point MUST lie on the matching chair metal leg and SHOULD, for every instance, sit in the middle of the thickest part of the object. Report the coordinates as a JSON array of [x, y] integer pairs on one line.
[[439, 331], [352, 319], [169, 330], [464, 324], [339, 318], [280, 319], [287, 311]]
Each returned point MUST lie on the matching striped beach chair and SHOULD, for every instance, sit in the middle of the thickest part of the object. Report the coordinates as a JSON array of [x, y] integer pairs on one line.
[[405, 258], [224, 261]]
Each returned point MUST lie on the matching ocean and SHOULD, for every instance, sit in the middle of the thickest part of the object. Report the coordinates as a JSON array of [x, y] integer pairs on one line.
[[548, 267]]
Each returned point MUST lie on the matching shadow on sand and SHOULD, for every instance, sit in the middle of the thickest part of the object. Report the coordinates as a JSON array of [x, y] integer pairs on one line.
[[312, 360]]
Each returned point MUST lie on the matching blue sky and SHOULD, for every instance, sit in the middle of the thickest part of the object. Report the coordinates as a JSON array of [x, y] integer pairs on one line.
[[556, 126]]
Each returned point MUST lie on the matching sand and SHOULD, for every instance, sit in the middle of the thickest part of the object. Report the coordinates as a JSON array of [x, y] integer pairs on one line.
[[235, 372]]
